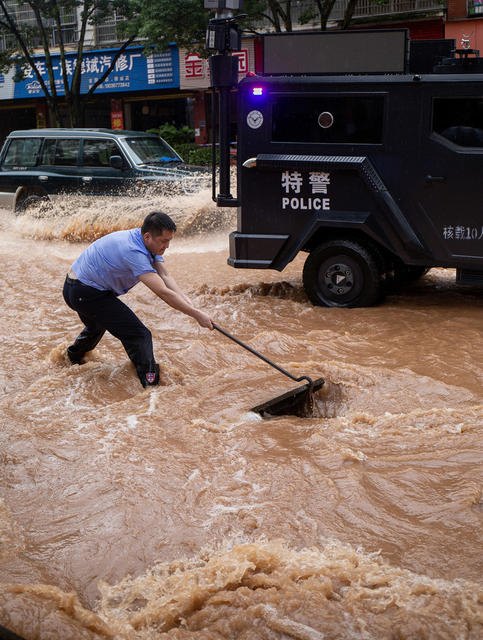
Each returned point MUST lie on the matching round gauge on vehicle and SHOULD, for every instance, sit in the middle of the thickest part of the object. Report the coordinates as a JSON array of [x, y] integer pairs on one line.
[[255, 119]]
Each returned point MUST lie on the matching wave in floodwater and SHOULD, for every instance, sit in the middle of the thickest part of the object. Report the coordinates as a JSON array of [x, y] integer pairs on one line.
[[286, 290], [263, 589]]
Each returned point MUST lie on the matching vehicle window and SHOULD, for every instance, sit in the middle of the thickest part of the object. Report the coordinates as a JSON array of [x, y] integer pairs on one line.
[[23, 152], [329, 119], [459, 120], [60, 152], [97, 153], [152, 150]]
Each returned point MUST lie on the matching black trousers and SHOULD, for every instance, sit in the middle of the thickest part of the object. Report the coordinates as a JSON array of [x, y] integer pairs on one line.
[[102, 311]]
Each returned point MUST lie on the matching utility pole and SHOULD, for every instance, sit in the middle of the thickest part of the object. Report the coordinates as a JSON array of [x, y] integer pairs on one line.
[[223, 37]]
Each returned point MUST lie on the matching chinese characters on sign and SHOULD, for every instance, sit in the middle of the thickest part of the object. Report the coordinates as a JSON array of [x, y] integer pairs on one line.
[[132, 71], [292, 183], [117, 114], [194, 66], [160, 68], [459, 232], [197, 68]]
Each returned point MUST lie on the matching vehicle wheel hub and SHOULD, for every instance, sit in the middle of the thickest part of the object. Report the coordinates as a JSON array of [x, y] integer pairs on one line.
[[339, 279]]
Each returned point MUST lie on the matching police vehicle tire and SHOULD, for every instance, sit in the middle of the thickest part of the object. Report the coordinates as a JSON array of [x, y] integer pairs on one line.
[[342, 273]]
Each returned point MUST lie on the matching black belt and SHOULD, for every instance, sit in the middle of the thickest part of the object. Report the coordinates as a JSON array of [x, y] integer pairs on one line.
[[70, 280]]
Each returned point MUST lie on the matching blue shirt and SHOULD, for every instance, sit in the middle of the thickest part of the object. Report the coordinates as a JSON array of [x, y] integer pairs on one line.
[[115, 262]]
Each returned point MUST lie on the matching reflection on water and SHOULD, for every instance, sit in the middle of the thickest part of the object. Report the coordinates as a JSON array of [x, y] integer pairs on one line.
[[175, 512]]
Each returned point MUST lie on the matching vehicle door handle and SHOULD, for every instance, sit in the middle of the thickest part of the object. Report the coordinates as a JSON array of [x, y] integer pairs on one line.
[[43, 178], [435, 178], [87, 178]]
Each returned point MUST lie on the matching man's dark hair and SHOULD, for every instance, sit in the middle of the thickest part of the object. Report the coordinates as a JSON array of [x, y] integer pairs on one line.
[[156, 222]]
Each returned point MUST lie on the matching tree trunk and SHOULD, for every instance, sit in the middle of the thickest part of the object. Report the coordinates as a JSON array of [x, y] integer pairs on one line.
[[54, 114], [349, 12], [325, 9]]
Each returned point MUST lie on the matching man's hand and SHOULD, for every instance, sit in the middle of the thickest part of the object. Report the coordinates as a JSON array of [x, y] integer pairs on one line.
[[204, 320]]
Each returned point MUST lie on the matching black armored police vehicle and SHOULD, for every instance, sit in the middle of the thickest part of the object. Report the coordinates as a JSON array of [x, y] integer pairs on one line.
[[361, 149]]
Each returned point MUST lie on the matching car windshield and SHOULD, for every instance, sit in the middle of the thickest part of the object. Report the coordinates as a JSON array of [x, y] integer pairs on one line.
[[152, 150]]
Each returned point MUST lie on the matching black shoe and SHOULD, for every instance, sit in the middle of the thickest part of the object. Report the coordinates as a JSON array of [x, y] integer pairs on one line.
[[149, 377], [75, 358]]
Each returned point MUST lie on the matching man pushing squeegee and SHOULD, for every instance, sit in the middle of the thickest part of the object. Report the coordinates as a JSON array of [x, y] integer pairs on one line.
[[112, 265]]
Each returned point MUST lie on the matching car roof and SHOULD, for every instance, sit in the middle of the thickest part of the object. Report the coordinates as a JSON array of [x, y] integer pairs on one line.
[[101, 133]]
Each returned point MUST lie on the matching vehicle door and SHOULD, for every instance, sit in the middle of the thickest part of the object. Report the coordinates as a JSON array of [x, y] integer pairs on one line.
[[452, 168], [59, 166], [18, 167], [98, 176]]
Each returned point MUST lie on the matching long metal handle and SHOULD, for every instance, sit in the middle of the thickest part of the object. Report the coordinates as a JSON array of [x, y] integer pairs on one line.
[[259, 355]]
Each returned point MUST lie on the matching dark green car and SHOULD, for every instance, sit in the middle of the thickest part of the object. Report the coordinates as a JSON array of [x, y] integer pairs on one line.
[[42, 164]]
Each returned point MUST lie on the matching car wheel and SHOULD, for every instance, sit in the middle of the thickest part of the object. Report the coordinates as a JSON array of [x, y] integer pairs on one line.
[[342, 273], [33, 201]]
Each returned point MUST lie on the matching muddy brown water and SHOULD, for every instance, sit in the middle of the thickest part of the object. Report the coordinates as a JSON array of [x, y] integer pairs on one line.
[[175, 512]]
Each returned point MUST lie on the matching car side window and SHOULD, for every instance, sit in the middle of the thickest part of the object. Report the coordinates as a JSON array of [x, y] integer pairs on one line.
[[60, 152], [23, 152], [97, 153], [459, 120]]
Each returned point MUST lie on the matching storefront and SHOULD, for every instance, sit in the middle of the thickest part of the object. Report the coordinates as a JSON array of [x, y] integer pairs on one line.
[[140, 93]]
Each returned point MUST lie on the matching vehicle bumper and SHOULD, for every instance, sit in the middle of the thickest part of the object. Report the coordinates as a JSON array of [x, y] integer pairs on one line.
[[254, 251]]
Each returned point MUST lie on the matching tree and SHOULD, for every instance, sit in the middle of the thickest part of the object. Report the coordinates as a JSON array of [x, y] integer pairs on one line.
[[185, 21], [44, 27]]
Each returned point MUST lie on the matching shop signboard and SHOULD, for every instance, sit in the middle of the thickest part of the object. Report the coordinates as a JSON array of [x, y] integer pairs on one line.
[[194, 71], [133, 71], [117, 114]]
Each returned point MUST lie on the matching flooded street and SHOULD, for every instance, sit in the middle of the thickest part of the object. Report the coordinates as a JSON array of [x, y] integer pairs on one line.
[[175, 512]]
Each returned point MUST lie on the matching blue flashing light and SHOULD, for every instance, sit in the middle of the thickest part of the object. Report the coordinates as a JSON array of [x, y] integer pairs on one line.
[[257, 91]]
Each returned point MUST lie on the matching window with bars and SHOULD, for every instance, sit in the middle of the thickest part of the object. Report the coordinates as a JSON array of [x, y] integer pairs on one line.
[[109, 30], [24, 16]]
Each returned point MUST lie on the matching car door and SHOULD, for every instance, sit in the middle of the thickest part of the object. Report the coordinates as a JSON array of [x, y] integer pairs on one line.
[[59, 166], [18, 167], [97, 175], [452, 169]]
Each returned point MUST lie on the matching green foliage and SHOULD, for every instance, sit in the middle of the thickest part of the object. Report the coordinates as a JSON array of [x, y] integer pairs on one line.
[[172, 135], [185, 21], [184, 149], [202, 156], [165, 21]]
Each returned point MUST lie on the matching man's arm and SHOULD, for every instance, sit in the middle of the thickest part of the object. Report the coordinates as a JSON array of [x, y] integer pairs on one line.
[[169, 281], [157, 285]]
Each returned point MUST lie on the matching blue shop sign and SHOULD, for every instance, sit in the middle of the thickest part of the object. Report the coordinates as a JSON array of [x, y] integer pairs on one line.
[[133, 71]]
